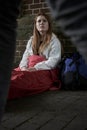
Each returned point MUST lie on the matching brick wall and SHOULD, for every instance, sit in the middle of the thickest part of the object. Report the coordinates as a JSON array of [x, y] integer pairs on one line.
[[34, 6], [21, 44]]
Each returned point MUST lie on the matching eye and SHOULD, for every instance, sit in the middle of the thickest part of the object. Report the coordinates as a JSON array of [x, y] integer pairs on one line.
[[44, 20], [39, 21]]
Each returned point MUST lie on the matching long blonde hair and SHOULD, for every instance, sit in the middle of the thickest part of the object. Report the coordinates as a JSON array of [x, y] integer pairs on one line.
[[36, 46]]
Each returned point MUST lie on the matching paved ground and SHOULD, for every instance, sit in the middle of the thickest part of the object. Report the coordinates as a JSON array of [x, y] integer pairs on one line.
[[53, 110]]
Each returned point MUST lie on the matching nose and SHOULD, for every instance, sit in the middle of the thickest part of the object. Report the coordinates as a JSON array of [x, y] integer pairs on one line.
[[42, 22]]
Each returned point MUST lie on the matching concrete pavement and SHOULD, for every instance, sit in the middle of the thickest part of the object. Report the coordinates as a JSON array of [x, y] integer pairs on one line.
[[51, 110]]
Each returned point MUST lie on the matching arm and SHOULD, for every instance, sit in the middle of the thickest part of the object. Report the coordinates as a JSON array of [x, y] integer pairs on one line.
[[24, 62], [53, 55]]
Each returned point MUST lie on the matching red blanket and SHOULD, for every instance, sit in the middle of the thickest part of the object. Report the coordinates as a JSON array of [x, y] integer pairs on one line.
[[34, 59], [24, 83]]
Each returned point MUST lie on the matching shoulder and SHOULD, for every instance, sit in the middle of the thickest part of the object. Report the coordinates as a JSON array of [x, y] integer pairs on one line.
[[30, 41], [57, 43], [54, 35], [55, 39]]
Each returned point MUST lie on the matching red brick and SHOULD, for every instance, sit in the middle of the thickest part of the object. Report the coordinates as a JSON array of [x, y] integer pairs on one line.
[[33, 6], [36, 11], [45, 10], [28, 1], [36, 1]]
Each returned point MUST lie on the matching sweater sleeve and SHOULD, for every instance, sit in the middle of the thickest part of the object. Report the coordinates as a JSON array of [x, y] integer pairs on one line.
[[54, 56], [28, 51]]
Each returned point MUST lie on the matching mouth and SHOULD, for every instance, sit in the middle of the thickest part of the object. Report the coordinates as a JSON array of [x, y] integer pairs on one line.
[[42, 26]]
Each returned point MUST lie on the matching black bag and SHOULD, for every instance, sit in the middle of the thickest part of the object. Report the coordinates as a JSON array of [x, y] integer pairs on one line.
[[74, 72]]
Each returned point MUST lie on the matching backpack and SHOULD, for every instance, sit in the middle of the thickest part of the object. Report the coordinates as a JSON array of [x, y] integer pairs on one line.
[[73, 72]]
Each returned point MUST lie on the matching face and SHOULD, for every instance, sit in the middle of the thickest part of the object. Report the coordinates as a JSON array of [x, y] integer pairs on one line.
[[42, 24]]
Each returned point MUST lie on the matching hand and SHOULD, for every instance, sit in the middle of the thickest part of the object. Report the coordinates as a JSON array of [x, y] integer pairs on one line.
[[24, 69], [31, 69]]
